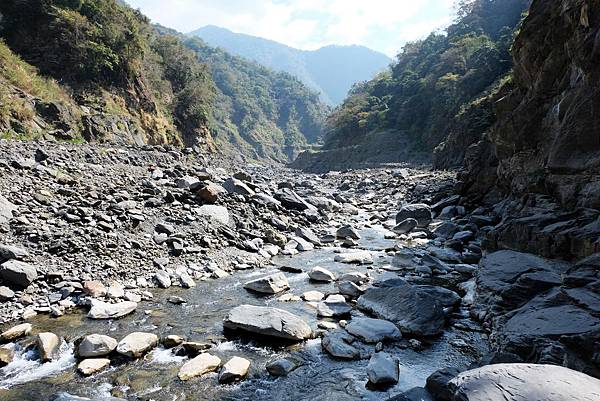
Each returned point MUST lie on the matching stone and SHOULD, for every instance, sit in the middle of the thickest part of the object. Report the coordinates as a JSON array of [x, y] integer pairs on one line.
[[95, 345], [313, 296], [307, 235], [347, 231], [337, 344], [211, 192], [200, 365], [321, 275], [413, 311], [266, 321], [176, 300], [94, 288], [373, 330], [217, 213], [414, 394], [349, 289], [515, 382], [137, 344], [6, 294], [333, 308], [273, 284], [383, 369], [291, 200], [115, 290], [438, 382], [19, 273], [8, 252], [163, 279], [281, 367], [6, 210], [360, 257], [16, 332], [172, 341], [303, 245], [103, 310], [48, 345], [405, 226], [88, 367], [235, 369], [235, 186], [6, 356], [417, 211]]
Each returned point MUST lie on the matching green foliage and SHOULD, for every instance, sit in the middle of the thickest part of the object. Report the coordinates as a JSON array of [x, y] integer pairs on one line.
[[433, 79]]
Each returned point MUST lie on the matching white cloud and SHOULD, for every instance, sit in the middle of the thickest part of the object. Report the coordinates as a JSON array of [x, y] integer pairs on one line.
[[383, 25]]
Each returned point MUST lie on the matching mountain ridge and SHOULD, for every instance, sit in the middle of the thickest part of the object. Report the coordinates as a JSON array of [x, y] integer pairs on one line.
[[307, 65]]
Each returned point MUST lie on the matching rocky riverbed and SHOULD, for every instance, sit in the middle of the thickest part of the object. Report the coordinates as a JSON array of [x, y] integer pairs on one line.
[[153, 274]]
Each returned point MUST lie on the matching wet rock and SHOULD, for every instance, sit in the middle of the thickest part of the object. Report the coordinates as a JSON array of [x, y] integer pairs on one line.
[[95, 345], [88, 367], [438, 383], [361, 258], [347, 231], [48, 345], [405, 226], [414, 394], [273, 284], [15, 332], [373, 330], [267, 321], [321, 274], [313, 296], [103, 310], [349, 289], [6, 356], [235, 369], [513, 382], [172, 341], [137, 344], [19, 273], [338, 344], [333, 307], [414, 312], [281, 367], [175, 300], [383, 369], [69, 397], [200, 365], [418, 211]]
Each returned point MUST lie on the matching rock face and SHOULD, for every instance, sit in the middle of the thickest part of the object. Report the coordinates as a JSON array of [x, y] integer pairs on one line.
[[265, 321], [200, 365], [103, 310], [137, 344], [273, 284], [414, 311], [18, 273], [545, 139], [96, 345], [514, 382], [373, 330]]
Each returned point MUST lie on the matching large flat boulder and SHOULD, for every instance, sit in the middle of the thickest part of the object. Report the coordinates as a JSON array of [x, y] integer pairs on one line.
[[414, 311], [373, 330], [137, 344], [266, 321], [103, 310], [517, 382]]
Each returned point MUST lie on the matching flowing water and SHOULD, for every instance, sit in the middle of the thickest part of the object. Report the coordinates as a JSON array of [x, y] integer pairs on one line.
[[155, 377]]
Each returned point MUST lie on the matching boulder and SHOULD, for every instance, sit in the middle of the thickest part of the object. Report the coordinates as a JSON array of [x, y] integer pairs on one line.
[[235, 369], [163, 279], [337, 343], [273, 284], [356, 257], [516, 382], [235, 186], [417, 211], [19, 273], [281, 367], [15, 332], [200, 365], [321, 275], [6, 356], [291, 200], [313, 296], [414, 394], [347, 231], [137, 344], [373, 330], [211, 192], [94, 288], [415, 312], [6, 294], [438, 383], [308, 235], [333, 306], [383, 369], [6, 209], [88, 367], [216, 213], [48, 345], [103, 310], [266, 321], [96, 345], [8, 252], [405, 226]]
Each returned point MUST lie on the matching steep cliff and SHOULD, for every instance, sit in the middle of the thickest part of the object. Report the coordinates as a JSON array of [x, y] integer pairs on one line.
[[547, 136]]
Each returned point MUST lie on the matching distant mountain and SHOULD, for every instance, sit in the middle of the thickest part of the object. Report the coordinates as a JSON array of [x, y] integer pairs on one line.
[[331, 70]]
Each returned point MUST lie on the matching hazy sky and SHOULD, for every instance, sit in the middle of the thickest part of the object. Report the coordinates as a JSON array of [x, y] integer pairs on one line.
[[383, 25]]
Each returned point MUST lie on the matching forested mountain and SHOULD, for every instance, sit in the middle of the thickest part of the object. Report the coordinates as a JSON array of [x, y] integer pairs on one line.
[[331, 70], [98, 70], [439, 93]]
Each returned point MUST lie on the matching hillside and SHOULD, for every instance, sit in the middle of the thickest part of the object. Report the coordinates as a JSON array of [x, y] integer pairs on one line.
[[97, 70], [440, 90], [331, 70]]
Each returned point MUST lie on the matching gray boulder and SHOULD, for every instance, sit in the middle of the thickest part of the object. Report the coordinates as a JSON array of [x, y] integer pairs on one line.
[[417, 211], [405, 226], [96, 345], [6, 209], [321, 275], [273, 284], [373, 330], [291, 200], [103, 310], [517, 382], [8, 252], [20, 274], [266, 321], [383, 369], [235, 186], [337, 343]]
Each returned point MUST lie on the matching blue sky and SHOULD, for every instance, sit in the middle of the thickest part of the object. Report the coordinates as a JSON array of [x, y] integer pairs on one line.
[[383, 25]]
